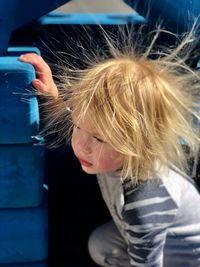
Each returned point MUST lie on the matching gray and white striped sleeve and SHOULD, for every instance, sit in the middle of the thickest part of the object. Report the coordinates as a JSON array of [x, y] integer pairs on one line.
[[149, 210]]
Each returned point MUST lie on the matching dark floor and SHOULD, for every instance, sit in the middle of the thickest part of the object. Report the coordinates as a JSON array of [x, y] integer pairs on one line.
[[73, 198]]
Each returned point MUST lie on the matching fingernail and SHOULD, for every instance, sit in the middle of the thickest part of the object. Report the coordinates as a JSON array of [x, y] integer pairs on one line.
[[36, 81]]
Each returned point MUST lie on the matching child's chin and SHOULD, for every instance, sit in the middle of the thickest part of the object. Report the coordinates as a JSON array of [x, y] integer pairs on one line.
[[88, 170]]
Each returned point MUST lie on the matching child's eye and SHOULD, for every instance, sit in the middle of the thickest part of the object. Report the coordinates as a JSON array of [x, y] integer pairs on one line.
[[76, 127], [98, 139]]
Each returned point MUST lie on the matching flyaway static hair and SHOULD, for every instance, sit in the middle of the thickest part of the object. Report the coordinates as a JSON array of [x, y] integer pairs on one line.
[[142, 100]]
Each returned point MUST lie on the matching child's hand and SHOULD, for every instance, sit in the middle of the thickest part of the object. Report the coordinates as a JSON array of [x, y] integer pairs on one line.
[[44, 82]]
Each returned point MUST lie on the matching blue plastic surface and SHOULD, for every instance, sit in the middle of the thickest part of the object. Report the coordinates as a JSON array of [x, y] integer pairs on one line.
[[21, 175], [19, 114], [91, 18], [24, 234], [19, 50], [175, 15], [16, 13], [28, 264]]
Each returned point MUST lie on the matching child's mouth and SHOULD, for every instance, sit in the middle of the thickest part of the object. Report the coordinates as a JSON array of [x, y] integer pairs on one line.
[[85, 163]]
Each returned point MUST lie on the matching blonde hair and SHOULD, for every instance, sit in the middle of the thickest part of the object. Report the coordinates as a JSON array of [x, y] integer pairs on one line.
[[144, 108]]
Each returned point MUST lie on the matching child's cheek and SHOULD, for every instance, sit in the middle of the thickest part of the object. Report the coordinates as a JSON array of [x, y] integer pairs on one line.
[[74, 140], [110, 162]]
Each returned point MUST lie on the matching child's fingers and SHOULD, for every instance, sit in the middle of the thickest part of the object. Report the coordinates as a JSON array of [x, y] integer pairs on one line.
[[44, 82], [34, 59], [41, 67], [40, 86]]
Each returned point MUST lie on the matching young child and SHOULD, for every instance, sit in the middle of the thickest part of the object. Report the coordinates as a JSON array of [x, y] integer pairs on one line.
[[132, 117]]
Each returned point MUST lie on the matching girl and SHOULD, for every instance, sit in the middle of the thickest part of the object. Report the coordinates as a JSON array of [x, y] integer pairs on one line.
[[132, 116]]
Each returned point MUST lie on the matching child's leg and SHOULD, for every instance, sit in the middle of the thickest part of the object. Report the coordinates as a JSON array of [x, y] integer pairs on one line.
[[107, 247]]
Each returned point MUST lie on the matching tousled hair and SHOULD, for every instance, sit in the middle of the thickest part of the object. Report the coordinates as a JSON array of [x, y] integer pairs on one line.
[[143, 102]]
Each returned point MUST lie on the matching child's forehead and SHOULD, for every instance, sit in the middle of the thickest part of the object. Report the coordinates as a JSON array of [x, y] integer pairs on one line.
[[84, 121]]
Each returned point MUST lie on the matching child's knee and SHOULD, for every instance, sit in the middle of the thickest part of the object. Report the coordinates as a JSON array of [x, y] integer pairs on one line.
[[96, 247], [106, 247]]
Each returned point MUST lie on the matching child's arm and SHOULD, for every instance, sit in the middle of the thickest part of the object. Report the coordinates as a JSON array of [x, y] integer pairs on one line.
[[44, 82], [148, 214]]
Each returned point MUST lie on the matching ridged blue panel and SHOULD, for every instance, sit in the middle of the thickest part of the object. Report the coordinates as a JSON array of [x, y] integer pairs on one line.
[[28, 264], [19, 115], [175, 15], [16, 13], [24, 234], [21, 175], [19, 50], [91, 18]]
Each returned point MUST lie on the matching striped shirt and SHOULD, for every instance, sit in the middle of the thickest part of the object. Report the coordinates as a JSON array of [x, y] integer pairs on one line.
[[159, 219]]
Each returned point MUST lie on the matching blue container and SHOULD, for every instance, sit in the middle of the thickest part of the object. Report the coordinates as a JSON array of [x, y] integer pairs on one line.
[[24, 234], [176, 16], [19, 114], [19, 50], [28, 264], [90, 18], [21, 175], [17, 13]]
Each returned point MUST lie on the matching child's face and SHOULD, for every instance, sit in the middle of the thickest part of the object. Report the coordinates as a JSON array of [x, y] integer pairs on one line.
[[94, 154]]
